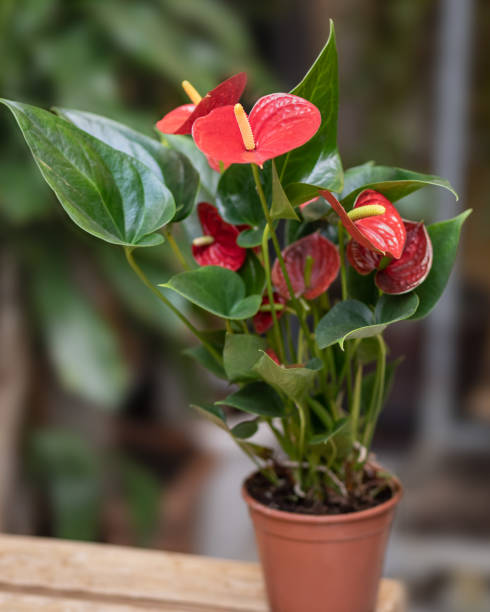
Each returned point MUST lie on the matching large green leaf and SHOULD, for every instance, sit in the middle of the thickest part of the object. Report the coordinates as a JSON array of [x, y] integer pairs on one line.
[[171, 167], [445, 240], [81, 344], [318, 161], [294, 382], [237, 199], [256, 398], [394, 183], [107, 193], [217, 290], [352, 319], [240, 354]]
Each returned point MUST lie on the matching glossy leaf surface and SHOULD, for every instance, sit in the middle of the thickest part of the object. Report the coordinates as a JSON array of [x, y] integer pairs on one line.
[[294, 382], [256, 398], [217, 290], [106, 192], [352, 319], [445, 239], [318, 162], [394, 183], [171, 167], [240, 354]]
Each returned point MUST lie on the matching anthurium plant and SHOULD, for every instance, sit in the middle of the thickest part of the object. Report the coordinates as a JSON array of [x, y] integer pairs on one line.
[[305, 264]]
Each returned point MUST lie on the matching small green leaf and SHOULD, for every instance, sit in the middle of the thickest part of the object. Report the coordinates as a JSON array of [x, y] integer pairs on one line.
[[171, 167], [281, 207], [352, 319], [217, 290], [253, 275], [318, 161], [294, 382], [237, 199], [240, 354], [252, 237], [256, 398], [445, 239], [105, 192], [394, 183], [323, 438], [245, 429], [213, 413]]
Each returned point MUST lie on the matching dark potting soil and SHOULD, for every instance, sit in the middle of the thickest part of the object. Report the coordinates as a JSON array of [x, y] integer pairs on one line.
[[372, 491]]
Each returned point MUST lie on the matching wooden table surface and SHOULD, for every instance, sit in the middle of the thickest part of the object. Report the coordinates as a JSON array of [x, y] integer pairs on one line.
[[59, 576]]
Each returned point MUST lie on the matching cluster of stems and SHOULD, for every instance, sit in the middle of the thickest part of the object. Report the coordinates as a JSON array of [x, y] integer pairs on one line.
[[336, 398]]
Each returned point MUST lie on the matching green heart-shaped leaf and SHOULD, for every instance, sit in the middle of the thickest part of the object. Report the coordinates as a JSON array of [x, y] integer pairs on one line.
[[240, 354], [318, 161], [107, 193], [294, 382], [256, 398], [217, 290], [445, 239], [352, 319], [171, 167], [394, 183]]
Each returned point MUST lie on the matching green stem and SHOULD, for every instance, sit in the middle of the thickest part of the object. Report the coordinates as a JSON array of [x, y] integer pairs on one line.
[[270, 294], [343, 276], [356, 402], [146, 281], [175, 248], [378, 392], [289, 336], [244, 327], [282, 265]]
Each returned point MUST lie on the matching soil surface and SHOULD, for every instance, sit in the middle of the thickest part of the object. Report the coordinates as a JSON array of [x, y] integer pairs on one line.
[[371, 492]]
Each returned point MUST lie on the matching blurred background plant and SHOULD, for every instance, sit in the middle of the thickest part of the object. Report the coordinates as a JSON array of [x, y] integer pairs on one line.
[[95, 438]]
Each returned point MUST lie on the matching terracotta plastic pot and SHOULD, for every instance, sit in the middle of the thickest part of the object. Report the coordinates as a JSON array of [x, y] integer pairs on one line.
[[322, 563]]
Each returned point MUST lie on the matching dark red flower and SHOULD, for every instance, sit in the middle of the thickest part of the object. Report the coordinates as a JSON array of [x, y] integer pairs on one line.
[[383, 233], [218, 246], [277, 124], [263, 319], [400, 275], [312, 264], [181, 119]]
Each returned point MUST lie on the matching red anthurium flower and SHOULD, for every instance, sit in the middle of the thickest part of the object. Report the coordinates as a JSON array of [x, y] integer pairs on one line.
[[401, 275], [263, 319], [277, 124], [180, 120], [383, 233], [312, 264], [218, 246]]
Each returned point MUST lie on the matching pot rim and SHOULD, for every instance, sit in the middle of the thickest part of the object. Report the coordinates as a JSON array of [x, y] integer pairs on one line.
[[315, 519]]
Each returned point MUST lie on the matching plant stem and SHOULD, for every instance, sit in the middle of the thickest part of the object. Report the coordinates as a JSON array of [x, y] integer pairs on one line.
[[175, 248], [270, 294], [378, 392], [356, 402], [146, 281], [343, 276], [296, 304]]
